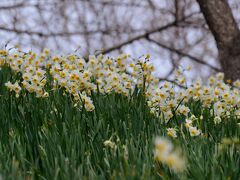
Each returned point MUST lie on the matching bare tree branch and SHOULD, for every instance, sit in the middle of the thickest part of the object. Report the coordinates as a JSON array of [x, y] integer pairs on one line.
[[65, 33], [184, 54], [12, 6], [141, 36], [173, 82], [146, 34]]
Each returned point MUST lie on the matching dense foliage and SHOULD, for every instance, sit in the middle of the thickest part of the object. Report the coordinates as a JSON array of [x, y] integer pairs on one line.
[[109, 118]]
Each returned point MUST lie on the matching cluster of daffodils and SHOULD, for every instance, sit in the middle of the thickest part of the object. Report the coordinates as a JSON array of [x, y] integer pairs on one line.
[[77, 76], [192, 129], [167, 155], [221, 99], [14, 87], [33, 76], [122, 75]]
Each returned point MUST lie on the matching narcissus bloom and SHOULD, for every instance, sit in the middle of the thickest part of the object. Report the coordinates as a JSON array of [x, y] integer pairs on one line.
[[171, 132], [167, 155], [194, 131]]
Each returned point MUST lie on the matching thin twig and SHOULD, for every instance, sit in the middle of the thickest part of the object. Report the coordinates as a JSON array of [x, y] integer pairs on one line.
[[184, 54]]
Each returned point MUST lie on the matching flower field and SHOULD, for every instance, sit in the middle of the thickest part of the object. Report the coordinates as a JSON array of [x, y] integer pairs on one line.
[[64, 117]]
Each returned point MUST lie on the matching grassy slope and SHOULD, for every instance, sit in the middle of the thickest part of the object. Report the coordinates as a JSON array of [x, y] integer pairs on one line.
[[51, 139]]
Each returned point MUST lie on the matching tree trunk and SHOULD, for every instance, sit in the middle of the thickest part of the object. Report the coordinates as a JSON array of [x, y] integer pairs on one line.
[[224, 28]]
